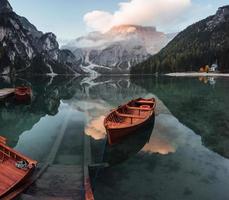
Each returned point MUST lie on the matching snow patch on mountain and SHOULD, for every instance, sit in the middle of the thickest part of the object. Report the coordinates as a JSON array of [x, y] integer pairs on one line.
[[24, 49], [117, 50]]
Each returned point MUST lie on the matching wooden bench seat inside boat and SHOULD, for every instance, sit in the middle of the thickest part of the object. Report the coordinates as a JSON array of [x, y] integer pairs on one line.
[[126, 115], [144, 102], [139, 108], [14, 168], [128, 118], [122, 120], [9, 173]]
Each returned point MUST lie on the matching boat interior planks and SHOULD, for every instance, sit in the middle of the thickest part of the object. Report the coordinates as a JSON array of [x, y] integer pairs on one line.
[[14, 168], [129, 117]]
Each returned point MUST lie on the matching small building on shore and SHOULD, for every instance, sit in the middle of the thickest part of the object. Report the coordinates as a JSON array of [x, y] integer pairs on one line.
[[204, 69], [213, 68]]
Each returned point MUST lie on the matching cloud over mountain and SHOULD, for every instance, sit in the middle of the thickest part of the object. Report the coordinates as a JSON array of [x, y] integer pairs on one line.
[[141, 12]]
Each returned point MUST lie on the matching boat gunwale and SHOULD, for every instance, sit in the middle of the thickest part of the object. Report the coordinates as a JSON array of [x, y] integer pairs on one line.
[[129, 125], [16, 183], [31, 165], [18, 154], [23, 91]]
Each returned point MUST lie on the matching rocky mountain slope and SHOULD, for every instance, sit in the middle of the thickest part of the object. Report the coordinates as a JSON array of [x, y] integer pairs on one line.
[[202, 43], [25, 50], [117, 50]]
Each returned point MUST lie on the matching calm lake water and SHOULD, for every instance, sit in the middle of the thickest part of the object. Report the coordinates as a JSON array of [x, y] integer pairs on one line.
[[184, 156]]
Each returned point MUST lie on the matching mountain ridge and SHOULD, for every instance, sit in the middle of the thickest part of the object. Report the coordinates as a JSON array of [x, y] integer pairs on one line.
[[118, 49], [202, 43], [25, 50]]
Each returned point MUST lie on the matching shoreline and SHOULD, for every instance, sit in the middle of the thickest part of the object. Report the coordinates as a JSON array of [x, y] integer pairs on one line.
[[197, 74]]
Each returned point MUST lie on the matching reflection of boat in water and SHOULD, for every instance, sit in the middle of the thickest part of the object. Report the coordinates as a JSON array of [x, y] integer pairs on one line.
[[14, 168], [129, 118], [130, 145], [23, 94]]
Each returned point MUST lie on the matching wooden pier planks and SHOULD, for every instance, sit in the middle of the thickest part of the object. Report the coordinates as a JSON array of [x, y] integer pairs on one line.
[[4, 93], [71, 181], [88, 193], [58, 181]]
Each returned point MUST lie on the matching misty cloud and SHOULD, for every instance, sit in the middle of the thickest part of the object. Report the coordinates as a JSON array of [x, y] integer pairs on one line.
[[141, 12]]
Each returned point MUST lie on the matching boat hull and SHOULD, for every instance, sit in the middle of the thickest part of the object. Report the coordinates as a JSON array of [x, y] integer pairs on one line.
[[23, 94], [12, 175], [115, 135], [22, 97], [130, 145], [20, 183]]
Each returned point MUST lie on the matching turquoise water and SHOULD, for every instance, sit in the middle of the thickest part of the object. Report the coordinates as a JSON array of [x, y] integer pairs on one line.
[[183, 157]]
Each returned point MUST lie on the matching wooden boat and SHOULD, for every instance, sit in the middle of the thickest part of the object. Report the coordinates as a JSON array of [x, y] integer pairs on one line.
[[128, 146], [23, 94], [14, 168], [129, 118], [6, 92]]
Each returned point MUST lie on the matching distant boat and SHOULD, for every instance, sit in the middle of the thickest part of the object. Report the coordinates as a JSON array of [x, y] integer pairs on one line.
[[6, 92], [129, 118], [14, 168], [23, 93]]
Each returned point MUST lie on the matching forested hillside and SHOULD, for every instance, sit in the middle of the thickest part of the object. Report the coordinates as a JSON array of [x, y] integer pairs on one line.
[[202, 43]]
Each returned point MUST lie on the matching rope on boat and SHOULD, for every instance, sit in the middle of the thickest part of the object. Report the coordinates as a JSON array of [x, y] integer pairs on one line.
[[22, 164]]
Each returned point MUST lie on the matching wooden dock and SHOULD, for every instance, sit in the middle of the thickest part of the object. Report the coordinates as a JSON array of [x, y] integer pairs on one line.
[[6, 92], [88, 193], [63, 181], [59, 180]]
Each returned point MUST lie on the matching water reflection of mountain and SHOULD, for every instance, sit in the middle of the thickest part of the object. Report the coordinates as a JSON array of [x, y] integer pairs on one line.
[[105, 92], [129, 146], [200, 106], [113, 90], [47, 93]]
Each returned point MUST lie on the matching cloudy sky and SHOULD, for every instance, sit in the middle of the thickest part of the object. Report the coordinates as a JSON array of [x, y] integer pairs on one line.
[[69, 19]]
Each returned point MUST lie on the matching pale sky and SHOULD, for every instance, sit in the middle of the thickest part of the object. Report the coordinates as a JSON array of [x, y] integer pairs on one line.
[[69, 19]]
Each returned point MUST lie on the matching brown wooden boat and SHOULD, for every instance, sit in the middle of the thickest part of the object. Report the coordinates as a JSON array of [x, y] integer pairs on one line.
[[6, 92], [14, 168], [23, 94], [129, 118]]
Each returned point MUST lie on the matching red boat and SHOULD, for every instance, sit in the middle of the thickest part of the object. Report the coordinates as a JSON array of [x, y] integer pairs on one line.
[[129, 118], [23, 94], [14, 169]]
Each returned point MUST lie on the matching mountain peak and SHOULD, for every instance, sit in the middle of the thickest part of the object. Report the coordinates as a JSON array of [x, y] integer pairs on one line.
[[130, 28], [223, 11], [5, 6], [221, 16]]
